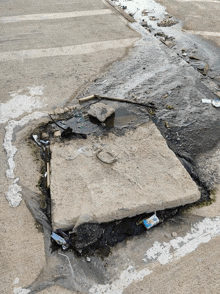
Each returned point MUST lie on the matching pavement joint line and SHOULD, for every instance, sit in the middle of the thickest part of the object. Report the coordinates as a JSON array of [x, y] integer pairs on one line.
[[81, 49], [48, 16], [204, 33]]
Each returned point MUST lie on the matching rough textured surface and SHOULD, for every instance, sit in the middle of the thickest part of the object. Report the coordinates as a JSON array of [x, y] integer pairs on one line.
[[101, 111], [145, 177], [22, 246]]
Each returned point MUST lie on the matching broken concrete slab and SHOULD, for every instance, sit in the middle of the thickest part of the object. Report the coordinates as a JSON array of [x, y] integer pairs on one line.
[[101, 111], [145, 177]]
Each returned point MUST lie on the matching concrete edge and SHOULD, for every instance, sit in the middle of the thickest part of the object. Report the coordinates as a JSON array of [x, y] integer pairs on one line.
[[120, 10]]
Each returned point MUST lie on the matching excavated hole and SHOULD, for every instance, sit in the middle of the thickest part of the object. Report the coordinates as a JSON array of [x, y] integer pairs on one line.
[[109, 233]]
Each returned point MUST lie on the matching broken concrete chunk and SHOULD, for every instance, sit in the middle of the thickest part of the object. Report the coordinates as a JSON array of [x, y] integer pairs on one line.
[[167, 23], [206, 69], [146, 177], [152, 18], [174, 234], [217, 93], [57, 134], [144, 24], [101, 111], [194, 57], [169, 44]]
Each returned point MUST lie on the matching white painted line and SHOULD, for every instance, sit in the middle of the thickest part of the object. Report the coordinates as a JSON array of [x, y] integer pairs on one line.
[[204, 33], [209, 101], [68, 50], [208, 1], [13, 194], [47, 16], [21, 103], [164, 253]]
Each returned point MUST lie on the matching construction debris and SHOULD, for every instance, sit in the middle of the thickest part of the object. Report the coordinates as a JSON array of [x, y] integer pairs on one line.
[[101, 111], [167, 23]]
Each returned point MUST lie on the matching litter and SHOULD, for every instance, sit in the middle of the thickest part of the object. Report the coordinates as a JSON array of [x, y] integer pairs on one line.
[[105, 156], [35, 137], [40, 143], [60, 241], [207, 101], [151, 221], [45, 142], [149, 104], [216, 102]]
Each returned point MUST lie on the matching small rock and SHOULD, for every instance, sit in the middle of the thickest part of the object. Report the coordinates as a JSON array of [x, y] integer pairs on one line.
[[206, 69], [44, 136], [167, 235], [168, 15], [101, 111], [201, 66], [174, 234], [165, 96], [57, 134], [57, 111], [153, 18], [66, 109], [88, 259], [217, 93], [194, 57], [51, 112], [161, 34], [144, 12], [169, 44], [184, 54], [144, 24]]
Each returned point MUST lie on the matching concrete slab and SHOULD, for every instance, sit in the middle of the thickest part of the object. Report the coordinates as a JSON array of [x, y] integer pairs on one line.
[[144, 175]]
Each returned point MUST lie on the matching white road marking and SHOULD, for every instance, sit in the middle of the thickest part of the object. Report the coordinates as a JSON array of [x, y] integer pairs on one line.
[[21, 291], [67, 50], [208, 1], [47, 16], [201, 232], [178, 247], [204, 33], [13, 195], [21, 103]]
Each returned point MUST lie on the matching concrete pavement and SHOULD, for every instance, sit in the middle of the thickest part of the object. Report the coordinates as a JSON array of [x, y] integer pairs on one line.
[[200, 17], [59, 78], [49, 49]]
